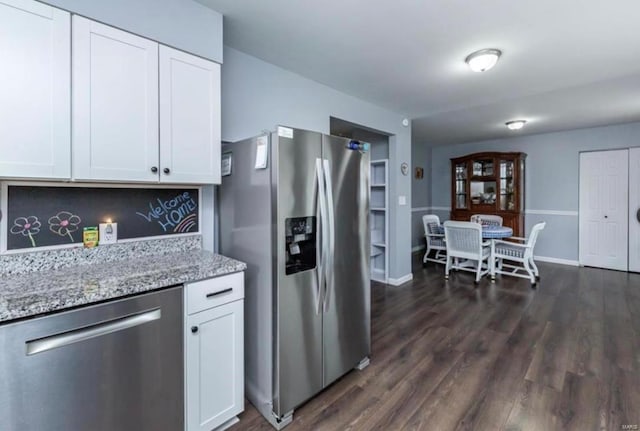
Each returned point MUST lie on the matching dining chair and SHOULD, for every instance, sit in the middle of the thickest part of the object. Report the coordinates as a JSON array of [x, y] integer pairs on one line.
[[487, 219], [434, 238], [520, 252], [465, 245]]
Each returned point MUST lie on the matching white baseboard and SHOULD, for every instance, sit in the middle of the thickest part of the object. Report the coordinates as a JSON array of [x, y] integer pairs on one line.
[[557, 260], [401, 280]]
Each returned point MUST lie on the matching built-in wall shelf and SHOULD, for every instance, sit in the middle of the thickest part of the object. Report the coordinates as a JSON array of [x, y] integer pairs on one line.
[[379, 220]]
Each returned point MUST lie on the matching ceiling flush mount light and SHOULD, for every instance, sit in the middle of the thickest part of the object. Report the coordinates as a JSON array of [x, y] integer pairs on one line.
[[483, 60], [515, 124]]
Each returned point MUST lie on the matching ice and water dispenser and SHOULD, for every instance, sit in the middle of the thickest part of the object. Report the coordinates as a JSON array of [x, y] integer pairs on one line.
[[300, 241]]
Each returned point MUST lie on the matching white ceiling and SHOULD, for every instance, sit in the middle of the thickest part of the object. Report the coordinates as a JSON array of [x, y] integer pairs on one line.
[[565, 64]]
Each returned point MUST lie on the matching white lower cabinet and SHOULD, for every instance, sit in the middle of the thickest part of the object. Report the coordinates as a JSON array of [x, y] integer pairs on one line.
[[214, 352]]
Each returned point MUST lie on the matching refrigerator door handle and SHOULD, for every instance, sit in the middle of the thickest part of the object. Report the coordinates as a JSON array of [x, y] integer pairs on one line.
[[322, 205], [332, 231]]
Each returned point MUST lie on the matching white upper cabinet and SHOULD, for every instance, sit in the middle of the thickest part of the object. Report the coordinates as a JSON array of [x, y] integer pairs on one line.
[[189, 118], [115, 104], [35, 105]]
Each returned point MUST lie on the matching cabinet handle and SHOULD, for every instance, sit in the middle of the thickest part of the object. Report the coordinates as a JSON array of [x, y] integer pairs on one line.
[[220, 292], [154, 169], [606, 216], [166, 170], [194, 329]]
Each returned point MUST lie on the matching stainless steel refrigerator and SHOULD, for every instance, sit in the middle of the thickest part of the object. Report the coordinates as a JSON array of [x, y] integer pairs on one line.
[[294, 205]]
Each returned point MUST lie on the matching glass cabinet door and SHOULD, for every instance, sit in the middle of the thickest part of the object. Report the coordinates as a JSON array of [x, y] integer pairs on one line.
[[461, 186], [507, 186], [483, 168]]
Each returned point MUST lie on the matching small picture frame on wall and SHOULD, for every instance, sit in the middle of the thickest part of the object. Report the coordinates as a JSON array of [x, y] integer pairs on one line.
[[419, 173], [227, 159]]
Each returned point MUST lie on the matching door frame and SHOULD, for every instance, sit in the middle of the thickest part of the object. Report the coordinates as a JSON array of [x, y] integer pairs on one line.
[[634, 212]]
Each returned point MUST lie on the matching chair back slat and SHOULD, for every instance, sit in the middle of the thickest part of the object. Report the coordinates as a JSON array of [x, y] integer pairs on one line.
[[463, 238], [535, 231], [430, 222]]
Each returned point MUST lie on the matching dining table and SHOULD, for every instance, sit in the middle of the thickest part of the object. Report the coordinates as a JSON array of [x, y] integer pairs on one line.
[[492, 233]]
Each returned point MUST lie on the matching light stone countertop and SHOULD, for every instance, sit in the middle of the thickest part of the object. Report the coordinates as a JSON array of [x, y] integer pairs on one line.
[[33, 294]]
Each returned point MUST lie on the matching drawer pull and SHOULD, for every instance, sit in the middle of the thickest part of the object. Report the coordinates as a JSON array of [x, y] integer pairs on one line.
[[220, 292]]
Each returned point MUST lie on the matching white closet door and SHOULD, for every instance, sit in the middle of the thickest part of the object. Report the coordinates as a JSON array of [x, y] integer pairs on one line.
[[604, 222], [115, 104], [634, 209], [189, 118], [35, 90]]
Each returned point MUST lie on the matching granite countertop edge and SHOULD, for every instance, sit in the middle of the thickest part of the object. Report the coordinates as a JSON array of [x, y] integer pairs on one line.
[[39, 293]]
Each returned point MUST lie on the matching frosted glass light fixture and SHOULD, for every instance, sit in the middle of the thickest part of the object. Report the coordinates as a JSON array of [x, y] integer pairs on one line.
[[515, 124], [483, 60]]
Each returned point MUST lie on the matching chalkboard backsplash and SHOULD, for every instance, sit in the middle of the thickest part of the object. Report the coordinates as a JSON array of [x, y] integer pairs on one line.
[[39, 216]]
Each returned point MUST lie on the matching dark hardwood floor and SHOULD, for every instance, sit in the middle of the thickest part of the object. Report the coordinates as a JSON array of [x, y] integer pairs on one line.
[[453, 356]]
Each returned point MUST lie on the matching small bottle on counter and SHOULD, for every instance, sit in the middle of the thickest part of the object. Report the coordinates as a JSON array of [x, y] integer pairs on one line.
[[90, 237]]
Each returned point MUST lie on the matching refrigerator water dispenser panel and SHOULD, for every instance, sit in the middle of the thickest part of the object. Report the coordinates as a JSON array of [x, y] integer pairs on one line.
[[300, 241]]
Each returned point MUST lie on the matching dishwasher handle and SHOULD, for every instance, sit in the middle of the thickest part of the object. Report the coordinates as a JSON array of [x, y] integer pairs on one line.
[[91, 331]]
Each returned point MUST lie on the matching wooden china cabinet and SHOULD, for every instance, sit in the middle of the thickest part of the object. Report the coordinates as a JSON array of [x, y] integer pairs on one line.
[[489, 183]]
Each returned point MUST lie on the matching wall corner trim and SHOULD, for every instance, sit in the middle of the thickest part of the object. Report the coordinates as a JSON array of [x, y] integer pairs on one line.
[[400, 280]]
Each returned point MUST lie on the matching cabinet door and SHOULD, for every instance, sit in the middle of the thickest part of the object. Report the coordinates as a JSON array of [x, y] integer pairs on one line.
[[214, 366], [460, 186], [507, 186], [35, 101], [189, 118], [115, 104]]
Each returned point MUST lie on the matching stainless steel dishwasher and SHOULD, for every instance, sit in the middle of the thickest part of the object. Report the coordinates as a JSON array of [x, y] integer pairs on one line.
[[116, 366]]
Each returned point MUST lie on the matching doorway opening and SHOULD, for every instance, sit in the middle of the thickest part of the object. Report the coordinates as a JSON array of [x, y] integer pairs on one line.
[[379, 209]]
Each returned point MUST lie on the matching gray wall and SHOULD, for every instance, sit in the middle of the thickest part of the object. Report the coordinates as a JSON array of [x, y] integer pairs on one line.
[[420, 192], [551, 180], [257, 96], [182, 24]]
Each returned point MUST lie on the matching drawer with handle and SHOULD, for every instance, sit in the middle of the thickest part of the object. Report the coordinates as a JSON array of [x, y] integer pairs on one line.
[[213, 292]]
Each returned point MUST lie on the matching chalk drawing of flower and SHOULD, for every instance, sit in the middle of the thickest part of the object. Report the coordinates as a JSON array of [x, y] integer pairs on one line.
[[64, 223], [26, 226]]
